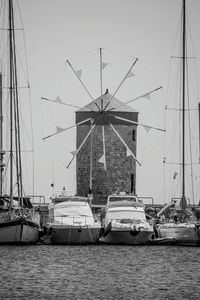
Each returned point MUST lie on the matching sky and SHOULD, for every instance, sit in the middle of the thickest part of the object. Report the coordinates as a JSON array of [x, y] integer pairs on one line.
[[57, 30]]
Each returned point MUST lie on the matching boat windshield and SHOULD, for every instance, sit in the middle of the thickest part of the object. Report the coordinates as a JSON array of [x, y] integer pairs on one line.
[[122, 198]]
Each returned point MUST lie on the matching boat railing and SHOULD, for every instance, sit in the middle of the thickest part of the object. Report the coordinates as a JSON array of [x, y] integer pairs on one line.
[[146, 200], [74, 221], [37, 200], [126, 221], [5, 216], [176, 201], [63, 193]]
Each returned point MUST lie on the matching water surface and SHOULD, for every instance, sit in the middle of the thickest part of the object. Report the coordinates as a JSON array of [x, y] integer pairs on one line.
[[99, 272]]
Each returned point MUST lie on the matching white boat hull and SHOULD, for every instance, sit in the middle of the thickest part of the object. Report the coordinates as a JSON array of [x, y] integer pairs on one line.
[[126, 237], [183, 234], [19, 232], [73, 235]]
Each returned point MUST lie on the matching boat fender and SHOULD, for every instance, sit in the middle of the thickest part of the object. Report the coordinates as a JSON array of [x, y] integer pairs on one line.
[[44, 230], [134, 232], [51, 231], [80, 229], [102, 230], [107, 229]]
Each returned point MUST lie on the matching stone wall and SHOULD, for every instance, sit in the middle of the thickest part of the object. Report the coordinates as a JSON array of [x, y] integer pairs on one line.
[[120, 168]]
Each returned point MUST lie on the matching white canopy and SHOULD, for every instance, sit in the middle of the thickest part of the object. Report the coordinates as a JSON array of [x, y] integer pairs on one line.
[[73, 213]]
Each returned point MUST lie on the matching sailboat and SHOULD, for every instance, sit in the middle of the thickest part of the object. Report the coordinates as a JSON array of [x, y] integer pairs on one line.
[[18, 224], [176, 219]]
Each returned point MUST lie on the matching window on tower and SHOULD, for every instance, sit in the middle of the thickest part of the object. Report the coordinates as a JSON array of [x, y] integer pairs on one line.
[[134, 135]]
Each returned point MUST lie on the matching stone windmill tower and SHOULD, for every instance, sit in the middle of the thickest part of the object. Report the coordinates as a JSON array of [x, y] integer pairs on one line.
[[106, 161]]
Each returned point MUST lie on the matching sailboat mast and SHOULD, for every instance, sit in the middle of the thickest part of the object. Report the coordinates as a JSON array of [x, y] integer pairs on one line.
[[1, 116], [11, 99], [17, 124], [199, 130], [1, 137], [14, 111], [183, 101], [91, 156]]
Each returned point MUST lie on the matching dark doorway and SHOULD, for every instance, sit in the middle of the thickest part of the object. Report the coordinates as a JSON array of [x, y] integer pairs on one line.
[[133, 183]]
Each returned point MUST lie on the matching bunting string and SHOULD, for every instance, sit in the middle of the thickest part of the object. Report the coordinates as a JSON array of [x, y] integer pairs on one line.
[[58, 100], [59, 129], [87, 91], [122, 82], [146, 95], [127, 148], [74, 153], [146, 127]]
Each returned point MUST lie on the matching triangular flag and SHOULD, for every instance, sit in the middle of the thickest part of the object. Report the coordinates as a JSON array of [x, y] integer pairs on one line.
[[102, 159], [148, 96], [59, 129], [58, 99], [147, 128], [74, 152], [130, 74], [104, 64], [79, 72], [128, 152]]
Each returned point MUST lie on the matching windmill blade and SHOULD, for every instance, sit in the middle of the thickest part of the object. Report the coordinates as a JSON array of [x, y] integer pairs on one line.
[[59, 130], [87, 91], [77, 151], [63, 103], [134, 99], [147, 127], [127, 74], [127, 148]]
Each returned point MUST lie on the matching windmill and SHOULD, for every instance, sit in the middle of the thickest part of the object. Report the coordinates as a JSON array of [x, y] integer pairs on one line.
[[106, 138]]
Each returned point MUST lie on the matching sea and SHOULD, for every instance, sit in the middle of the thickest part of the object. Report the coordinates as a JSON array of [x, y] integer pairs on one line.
[[99, 272]]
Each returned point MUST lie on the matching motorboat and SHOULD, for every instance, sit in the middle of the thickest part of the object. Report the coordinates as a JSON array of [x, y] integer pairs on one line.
[[125, 221], [71, 221]]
